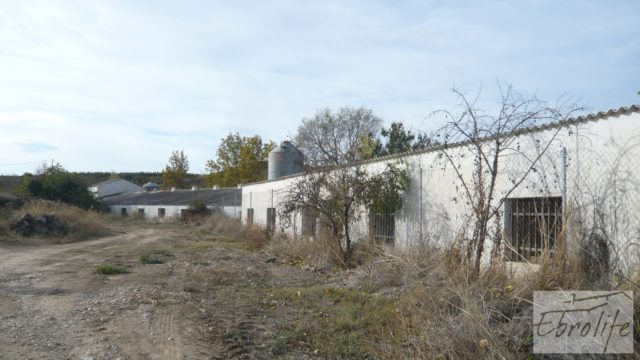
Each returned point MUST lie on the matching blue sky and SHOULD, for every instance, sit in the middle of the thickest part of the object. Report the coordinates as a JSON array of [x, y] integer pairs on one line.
[[118, 85]]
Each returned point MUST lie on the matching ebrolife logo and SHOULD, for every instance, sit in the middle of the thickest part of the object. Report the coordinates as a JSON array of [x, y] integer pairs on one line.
[[583, 322]]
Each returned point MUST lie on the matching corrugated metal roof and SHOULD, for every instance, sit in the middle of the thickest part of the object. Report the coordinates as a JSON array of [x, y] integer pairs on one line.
[[552, 125], [112, 180], [220, 197]]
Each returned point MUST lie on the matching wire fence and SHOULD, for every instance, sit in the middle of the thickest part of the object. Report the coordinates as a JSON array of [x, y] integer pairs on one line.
[[542, 188]]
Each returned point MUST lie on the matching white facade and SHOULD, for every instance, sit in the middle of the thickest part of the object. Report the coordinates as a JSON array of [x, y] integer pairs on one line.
[[170, 203], [170, 211], [592, 163], [112, 187]]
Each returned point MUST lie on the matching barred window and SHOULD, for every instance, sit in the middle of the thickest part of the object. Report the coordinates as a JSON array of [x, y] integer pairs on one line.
[[123, 212], [532, 226], [382, 228], [249, 217], [141, 212], [161, 212], [271, 219]]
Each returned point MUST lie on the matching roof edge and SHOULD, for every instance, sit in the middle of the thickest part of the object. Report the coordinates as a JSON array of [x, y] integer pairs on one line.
[[552, 125]]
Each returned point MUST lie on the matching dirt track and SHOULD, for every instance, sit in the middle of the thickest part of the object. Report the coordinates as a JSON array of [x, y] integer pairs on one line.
[[53, 305]]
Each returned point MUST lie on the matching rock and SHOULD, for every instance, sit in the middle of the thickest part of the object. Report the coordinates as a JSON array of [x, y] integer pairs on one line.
[[48, 225]]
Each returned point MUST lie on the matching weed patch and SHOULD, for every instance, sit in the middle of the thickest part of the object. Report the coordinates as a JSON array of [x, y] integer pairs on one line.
[[154, 256], [346, 323], [109, 269]]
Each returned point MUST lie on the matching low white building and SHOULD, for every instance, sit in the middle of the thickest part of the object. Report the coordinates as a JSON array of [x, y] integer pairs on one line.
[[172, 203], [591, 168], [113, 187]]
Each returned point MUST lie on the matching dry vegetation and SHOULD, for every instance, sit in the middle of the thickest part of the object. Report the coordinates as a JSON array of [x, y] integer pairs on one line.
[[417, 303], [237, 293], [82, 224]]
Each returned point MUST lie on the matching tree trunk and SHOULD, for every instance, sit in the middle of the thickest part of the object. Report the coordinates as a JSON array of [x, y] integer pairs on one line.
[[347, 238], [482, 235]]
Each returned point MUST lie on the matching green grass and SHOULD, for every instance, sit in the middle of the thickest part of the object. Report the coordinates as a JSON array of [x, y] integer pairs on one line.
[[109, 269], [346, 323], [154, 256]]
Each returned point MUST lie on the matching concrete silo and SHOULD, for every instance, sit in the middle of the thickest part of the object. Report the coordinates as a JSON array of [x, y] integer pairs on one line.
[[285, 160]]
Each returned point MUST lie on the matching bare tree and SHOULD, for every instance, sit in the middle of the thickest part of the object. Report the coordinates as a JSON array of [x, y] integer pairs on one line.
[[337, 138], [337, 185], [487, 137]]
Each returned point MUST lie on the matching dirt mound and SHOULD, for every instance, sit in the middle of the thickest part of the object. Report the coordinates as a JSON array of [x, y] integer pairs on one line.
[[47, 225]]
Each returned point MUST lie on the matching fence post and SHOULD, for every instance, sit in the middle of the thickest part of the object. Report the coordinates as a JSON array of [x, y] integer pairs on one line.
[[420, 208], [564, 184]]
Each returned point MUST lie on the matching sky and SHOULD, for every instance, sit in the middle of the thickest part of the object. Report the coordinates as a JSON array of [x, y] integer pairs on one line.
[[118, 85]]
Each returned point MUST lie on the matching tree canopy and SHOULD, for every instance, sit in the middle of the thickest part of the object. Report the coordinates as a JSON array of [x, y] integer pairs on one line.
[[175, 173], [239, 159], [57, 184], [338, 185], [397, 140], [337, 137]]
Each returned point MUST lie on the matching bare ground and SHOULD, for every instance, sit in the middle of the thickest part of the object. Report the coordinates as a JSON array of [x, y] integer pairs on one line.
[[209, 299]]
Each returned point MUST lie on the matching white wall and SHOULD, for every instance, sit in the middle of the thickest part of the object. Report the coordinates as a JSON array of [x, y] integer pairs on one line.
[[603, 158], [171, 211]]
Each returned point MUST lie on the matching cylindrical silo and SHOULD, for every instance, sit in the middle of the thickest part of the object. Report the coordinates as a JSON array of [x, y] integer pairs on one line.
[[285, 160]]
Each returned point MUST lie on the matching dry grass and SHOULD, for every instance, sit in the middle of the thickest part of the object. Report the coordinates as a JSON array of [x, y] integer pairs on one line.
[[254, 238], [321, 253], [446, 313], [414, 303], [83, 224]]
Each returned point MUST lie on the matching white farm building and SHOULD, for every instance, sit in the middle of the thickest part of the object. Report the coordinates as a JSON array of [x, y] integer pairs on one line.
[[591, 167], [172, 203]]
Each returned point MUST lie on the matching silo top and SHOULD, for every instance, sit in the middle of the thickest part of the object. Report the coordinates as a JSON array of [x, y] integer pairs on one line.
[[150, 186], [286, 146]]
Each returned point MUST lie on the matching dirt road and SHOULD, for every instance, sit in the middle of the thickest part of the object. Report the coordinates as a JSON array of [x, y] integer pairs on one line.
[[53, 304]]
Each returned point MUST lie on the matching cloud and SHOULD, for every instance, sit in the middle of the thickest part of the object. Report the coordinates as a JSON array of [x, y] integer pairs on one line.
[[118, 85], [36, 148]]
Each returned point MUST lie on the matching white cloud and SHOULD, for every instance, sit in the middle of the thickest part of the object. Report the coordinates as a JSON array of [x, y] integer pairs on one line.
[[128, 82]]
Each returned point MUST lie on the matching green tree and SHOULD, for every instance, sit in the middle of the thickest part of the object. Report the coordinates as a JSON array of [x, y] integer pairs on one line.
[[399, 140], [340, 185], [175, 173], [239, 159], [56, 184]]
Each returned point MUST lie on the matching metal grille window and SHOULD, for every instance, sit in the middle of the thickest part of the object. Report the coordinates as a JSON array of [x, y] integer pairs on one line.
[[249, 217], [382, 228], [533, 226], [161, 212], [271, 219], [123, 212], [141, 212]]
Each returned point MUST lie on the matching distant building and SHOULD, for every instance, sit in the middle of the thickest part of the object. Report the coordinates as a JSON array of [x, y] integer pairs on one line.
[[113, 187], [172, 203]]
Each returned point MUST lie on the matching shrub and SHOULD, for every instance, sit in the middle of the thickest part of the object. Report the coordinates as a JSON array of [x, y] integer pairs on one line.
[[154, 256], [150, 258], [56, 184], [109, 269]]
